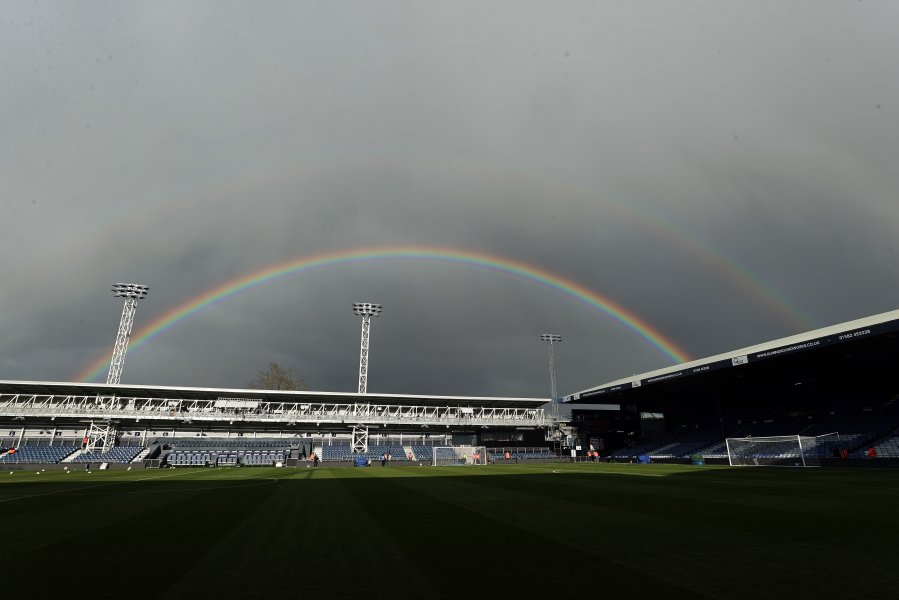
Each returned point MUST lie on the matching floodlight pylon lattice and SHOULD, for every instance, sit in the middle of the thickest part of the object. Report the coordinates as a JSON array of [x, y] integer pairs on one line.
[[360, 438], [552, 338], [100, 437], [366, 310], [131, 292]]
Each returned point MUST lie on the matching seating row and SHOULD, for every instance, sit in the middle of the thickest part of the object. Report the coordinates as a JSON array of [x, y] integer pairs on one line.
[[38, 455], [858, 430], [531, 454], [212, 443], [202, 459], [114, 455], [344, 453]]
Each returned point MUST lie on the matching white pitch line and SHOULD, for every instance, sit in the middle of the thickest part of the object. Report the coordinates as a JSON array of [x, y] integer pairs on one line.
[[87, 488]]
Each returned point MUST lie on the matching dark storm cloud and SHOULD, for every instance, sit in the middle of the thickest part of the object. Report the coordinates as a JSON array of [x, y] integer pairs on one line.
[[723, 170]]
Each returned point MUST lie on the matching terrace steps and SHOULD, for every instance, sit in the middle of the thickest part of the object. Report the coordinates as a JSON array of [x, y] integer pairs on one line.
[[72, 456], [140, 457]]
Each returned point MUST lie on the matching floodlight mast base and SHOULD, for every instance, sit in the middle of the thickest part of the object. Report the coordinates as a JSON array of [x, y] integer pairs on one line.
[[360, 439], [100, 437]]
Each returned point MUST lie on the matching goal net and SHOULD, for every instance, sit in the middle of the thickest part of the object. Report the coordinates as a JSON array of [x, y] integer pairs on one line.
[[776, 450], [459, 455]]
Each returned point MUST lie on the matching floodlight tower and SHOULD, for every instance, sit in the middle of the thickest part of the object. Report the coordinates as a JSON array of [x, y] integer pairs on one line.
[[366, 310], [362, 409], [552, 338], [131, 292]]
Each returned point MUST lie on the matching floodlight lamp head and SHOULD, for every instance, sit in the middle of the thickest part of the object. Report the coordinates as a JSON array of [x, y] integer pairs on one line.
[[366, 309], [130, 290], [551, 337]]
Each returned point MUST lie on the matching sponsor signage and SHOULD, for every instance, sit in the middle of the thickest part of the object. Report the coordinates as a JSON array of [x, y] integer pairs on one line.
[[829, 340], [743, 359]]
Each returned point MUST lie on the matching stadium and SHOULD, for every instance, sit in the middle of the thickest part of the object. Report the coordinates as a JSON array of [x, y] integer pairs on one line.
[[831, 389], [253, 493], [638, 267]]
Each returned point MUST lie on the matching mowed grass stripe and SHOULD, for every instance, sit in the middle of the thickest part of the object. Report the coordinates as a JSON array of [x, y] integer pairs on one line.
[[697, 500], [666, 531], [563, 525], [103, 520], [496, 545], [662, 529], [62, 511], [728, 542], [302, 538]]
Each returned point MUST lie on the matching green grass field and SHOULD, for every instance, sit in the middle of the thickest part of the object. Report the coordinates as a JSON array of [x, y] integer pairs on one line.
[[528, 531]]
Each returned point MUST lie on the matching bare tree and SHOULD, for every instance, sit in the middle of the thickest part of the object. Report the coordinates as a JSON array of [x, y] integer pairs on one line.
[[276, 377]]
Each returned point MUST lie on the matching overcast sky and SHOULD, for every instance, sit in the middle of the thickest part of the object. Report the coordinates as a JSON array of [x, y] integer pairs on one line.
[[725, 170]]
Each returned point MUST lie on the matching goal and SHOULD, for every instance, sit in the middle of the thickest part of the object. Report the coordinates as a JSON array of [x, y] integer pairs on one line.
[[459, 455], [776, 450]]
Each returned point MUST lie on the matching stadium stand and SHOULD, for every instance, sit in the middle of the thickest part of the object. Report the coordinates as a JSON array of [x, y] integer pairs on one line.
[[206, 457], [114, 455], [188, 452], [856, 428], [337, 452], [836, 384], [228, 459], [857, 431], [516, 453], [888, 447], [664, 440], [423, 453], [768, 427], [38, 455], [213, 443], [261, 458], [718, 451], [396, 452], [189, 459], [344, 453], [172, 426], [446, 454]]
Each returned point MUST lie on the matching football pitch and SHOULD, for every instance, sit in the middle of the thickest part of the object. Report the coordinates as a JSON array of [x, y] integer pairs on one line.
[[526, 531]]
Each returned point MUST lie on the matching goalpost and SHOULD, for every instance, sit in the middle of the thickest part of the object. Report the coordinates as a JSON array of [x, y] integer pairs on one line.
[[459, 455], [777, 450]]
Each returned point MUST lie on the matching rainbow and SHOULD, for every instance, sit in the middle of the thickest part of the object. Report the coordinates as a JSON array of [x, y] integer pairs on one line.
[[754, 286], [480, 260]]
